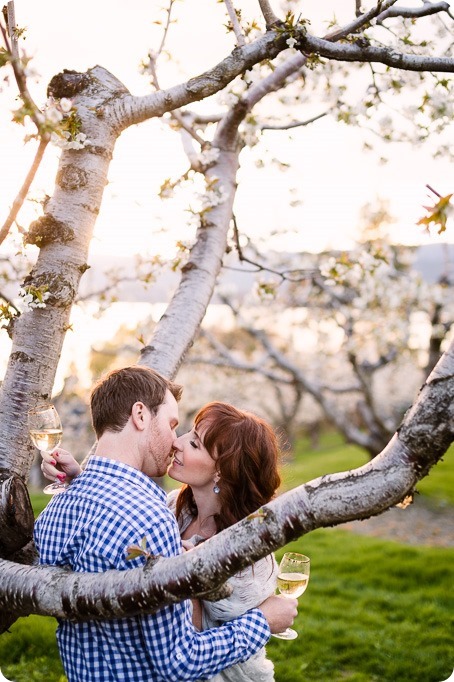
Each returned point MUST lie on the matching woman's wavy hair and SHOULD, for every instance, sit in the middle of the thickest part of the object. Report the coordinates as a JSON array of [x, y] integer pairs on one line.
[[246, 451]]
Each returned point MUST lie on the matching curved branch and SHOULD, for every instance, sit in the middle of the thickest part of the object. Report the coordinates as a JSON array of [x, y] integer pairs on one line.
[[427, 9], [295, 124], [367, 53], [135, 109], [20, 198], [361, 21]]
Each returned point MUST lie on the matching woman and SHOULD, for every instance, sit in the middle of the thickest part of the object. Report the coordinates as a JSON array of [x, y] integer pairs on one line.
[[228, 464]]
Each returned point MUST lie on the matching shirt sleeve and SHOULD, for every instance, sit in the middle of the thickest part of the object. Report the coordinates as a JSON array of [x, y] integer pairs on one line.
[[180, 653]]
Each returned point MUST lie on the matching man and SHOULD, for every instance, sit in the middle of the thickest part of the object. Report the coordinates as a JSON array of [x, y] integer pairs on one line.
[[114, 504]]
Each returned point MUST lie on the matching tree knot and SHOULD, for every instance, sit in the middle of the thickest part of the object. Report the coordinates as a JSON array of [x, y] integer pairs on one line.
[[67, 84], [48, 230]]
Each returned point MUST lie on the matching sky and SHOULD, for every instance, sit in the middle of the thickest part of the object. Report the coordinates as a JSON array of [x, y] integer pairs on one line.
[[333, 175]]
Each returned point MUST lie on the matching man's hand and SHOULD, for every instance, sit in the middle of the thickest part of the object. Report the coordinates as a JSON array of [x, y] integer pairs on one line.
[[280, 612], [67, 469]]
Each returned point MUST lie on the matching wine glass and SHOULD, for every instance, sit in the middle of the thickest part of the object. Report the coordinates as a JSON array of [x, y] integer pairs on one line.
[[45, 430], [292, 581]]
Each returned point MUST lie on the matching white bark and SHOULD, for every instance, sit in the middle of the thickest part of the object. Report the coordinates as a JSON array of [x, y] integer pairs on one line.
[[357, 52], [178, 326], [63, 235]]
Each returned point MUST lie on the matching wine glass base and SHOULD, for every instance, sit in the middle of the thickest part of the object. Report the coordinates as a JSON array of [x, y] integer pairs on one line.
[[287, 634], [55, 488]]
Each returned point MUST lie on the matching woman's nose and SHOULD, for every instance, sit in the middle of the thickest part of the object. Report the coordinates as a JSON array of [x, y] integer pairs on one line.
[[177, 444]]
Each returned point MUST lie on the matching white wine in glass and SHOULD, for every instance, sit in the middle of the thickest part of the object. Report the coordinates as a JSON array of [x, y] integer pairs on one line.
[[45, 430], [292, 580]]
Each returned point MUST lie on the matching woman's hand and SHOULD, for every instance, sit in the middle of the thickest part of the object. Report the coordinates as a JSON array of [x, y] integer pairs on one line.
[[68, 467]]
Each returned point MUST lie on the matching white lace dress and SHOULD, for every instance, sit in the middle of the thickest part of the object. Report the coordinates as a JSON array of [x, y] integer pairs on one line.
[[250, 588]]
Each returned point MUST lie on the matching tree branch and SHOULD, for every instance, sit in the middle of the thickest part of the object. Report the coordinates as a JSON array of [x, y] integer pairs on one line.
[[240, 39], [132, 109], [270, 18], [361, 20], [21, 196], [427, 9], [356, 53], [19, 74], [294, 124]]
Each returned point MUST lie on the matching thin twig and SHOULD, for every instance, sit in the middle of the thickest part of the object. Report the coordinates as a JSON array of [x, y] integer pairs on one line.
[[270, 18], [365, 18], [22, 194], [19, 74], [9, 302], [166, 29], [240, 39], [295, 124]]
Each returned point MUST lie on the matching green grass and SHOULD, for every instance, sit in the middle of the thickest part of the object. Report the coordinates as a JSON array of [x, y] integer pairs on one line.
[[374, 611]]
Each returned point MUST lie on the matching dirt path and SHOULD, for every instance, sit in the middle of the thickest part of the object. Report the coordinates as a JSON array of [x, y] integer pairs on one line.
[[419, 524]]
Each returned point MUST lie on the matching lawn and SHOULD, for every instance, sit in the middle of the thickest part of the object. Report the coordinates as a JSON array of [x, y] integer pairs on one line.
[[374, 611]]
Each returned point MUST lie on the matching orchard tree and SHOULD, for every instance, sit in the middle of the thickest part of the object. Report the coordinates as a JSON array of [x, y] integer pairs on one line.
[[350, 340], [273, 59]]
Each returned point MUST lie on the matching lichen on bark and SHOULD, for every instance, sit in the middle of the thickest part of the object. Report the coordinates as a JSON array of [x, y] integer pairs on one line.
[[72, 178], [61, 291], [47, 230], [68, 83]]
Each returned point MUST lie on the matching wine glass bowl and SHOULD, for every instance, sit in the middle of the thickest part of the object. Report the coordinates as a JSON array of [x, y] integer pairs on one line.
[[292, 581], [45, 431]]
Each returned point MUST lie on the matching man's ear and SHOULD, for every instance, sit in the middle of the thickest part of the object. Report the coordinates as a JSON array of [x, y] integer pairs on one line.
[[139, 415]]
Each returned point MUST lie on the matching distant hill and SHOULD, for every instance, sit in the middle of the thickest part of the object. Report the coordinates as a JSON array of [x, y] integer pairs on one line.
[[435, 260], [431, 261]]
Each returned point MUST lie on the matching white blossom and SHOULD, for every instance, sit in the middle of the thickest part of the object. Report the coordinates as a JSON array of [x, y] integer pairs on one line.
[[208, 156], [291, 42], [30, 299], [65, 105], [54, 115], [213, 197]]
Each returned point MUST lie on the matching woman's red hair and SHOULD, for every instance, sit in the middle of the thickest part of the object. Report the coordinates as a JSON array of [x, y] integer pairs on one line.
[[246, 451]]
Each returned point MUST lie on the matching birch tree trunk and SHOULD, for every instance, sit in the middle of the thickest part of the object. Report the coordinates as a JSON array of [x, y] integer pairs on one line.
[[63, 235]]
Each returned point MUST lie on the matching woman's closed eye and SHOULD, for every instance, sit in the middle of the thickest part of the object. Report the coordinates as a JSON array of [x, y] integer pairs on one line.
[[193, 443]]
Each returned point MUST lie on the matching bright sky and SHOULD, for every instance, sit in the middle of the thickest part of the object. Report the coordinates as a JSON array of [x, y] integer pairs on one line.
[[334, 176]]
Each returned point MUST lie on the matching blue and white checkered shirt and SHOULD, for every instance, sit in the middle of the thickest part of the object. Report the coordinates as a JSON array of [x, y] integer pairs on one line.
[[107, 508]]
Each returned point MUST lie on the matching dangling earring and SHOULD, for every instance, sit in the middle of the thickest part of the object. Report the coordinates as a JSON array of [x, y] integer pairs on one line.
[[216, 488]]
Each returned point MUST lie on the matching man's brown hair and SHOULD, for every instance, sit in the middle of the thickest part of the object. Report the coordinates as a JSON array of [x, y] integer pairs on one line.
[[114, 395]]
